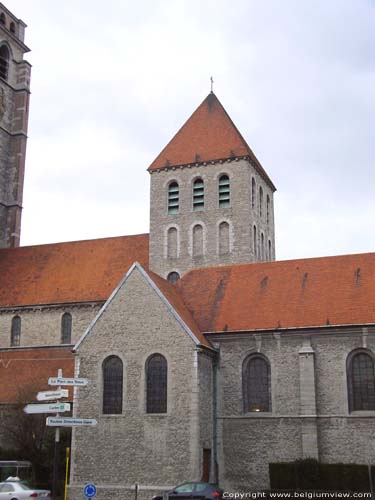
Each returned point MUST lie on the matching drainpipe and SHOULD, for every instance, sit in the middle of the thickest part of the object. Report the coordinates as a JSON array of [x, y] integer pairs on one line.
[[215, 367]]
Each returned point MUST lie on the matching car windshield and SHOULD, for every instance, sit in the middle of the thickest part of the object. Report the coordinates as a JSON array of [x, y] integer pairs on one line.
[[23, 486]]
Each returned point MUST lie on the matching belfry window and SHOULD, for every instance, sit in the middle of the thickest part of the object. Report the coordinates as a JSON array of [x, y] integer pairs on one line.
[[361, 381], [66, 328], [4, 61], [15, 334], [198, 195], [112, 371], [156, 384], [173, 198], [224, 191], [256, 384]]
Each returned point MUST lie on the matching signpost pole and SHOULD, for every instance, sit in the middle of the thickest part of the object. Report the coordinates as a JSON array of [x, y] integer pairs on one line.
[[56, 453]]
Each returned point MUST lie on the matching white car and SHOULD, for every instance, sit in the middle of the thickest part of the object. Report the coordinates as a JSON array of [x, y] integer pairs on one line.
[[14, 489]]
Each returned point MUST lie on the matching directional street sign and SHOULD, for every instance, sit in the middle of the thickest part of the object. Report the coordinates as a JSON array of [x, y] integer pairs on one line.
[[89, 490], [70, 422], [47, 408], [67, 381], [46, 395]]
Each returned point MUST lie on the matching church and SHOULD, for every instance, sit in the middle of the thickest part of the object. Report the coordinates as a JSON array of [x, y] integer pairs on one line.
[[207, 359]]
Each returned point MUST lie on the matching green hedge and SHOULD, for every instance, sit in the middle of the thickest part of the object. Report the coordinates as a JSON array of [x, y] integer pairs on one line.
[[310, 474]]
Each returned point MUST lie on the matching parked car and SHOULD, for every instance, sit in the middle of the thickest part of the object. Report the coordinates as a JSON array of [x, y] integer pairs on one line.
[[14, 489], [199, 490]]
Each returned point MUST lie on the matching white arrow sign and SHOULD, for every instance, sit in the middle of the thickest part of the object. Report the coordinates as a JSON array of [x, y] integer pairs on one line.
[[70, 422], [46, 395], [47, 408], [67, 381]]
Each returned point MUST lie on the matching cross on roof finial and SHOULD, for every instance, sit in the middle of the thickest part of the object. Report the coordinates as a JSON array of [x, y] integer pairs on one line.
[[212, 85]]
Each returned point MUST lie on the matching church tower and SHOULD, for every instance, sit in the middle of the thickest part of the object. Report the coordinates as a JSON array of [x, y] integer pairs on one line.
[[14, 111], [211, 200]]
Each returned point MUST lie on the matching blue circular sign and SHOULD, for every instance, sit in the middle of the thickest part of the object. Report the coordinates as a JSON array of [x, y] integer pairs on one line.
[[89, 490]]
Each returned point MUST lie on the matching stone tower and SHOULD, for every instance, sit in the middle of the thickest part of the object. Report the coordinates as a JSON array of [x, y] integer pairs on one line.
[[211, 200], [14, 111]]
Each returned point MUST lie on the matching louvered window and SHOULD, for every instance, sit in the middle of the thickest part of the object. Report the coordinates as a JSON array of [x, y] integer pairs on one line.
[[361, 381], [224, 191], [112, 385], [4, 61], [173, 198], [156, 380], [15, 334], [256, 384], [66, 328], [198, 194]]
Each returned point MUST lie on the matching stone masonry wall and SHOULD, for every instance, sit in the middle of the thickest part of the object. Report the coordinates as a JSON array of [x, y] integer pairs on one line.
[[250, 441], [155, 450], [42, 325], [240, 216]]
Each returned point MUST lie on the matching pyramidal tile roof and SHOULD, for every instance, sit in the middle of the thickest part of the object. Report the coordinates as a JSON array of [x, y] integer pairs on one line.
[[208, 135]]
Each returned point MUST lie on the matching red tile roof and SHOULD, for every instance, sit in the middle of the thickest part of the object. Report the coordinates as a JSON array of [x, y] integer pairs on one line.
[[171, 293], [283, 294], [77, 271], [209, 134], [25, 372]]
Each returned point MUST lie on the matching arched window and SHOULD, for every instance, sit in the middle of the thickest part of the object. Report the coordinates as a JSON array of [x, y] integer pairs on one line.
[[173, 198], [268, 209], [66, 328], [172, 243], [198, 194], [256, 383], [253, 189], [173, 277], [262, 248], [12, 27], [197, 240], [224, 238], [112, 385], [255, 241], [361, 380], [2, 18], [260, 201], [269, 250], [224, 191], [156, 384], [4, 61], [15, 334]]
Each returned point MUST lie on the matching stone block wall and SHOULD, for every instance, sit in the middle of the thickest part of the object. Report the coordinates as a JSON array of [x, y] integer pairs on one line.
[[240, 216]]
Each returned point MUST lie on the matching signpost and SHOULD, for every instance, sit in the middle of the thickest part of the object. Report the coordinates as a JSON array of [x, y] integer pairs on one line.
[[47, 408], [89, 490], [67, 381], [58, 394], [70, 422]]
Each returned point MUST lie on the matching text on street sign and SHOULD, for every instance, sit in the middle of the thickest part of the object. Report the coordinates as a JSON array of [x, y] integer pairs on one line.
[[46, 395], [70, 422], [67, 381], [47, 408]]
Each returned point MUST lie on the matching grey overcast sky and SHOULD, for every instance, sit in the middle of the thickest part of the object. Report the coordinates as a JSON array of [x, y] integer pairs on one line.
[[113, 81]]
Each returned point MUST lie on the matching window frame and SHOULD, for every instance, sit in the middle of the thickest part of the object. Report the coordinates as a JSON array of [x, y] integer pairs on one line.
[[153, 407], [246, 385], [120, 390], [15, 331], [198, 195], [4, 61], [173, 198], [352, 403], [224, 195], [65, 327]]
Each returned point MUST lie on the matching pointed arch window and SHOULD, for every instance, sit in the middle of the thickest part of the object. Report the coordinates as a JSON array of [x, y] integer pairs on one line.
[[15, 333], [269, 250], [262, 247], [156, 384], [198, 194], [224, 191], [361, 380], [112, 371], [253, 189], [173, 198], [66, 328], [268, 209], [4, 61], [256, 384]]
